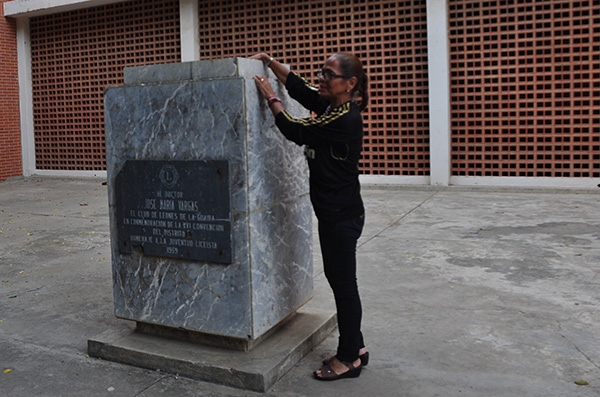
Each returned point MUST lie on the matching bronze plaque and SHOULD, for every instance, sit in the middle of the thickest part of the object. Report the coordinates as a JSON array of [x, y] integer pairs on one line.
[[176, 209]]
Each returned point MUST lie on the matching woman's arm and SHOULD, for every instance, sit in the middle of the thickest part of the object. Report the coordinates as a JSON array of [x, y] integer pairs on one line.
[[298, 88], [341, 126], [333, 128], [281, 72]]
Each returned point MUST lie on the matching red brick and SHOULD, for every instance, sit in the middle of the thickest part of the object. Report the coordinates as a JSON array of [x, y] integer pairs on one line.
[[10, 132]]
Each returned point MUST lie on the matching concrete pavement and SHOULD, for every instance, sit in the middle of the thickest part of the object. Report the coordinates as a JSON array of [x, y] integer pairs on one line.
[[466, 292]]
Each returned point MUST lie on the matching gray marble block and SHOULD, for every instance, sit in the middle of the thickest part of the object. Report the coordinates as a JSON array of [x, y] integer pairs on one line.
[[212, 111]]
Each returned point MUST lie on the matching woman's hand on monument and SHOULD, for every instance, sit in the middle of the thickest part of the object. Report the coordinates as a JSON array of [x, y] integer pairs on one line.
[[261, 57], [262, 82], [281, 71]]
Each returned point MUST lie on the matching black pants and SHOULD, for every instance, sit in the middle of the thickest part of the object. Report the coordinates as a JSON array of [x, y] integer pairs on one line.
[[338, 247]]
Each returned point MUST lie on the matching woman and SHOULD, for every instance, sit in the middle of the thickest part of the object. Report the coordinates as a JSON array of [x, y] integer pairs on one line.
[[333, 143]]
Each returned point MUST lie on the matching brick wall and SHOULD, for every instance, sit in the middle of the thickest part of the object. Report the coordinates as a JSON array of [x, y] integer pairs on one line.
[[525, 82], [10, 129], [74, 56], [389, 37]]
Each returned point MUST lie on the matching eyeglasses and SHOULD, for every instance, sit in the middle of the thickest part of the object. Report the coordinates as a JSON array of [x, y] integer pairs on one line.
[[328, 75]]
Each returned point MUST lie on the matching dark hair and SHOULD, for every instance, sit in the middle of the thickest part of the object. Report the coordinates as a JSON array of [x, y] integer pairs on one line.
[[351, 66]]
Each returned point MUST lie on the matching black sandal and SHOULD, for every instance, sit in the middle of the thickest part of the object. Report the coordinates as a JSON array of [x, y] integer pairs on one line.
[[327, 373]]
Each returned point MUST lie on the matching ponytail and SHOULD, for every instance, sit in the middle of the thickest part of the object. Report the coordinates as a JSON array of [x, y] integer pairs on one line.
[[361, 92]]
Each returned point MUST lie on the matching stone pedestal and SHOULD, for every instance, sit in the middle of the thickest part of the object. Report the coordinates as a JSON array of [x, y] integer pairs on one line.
[[209, 206]]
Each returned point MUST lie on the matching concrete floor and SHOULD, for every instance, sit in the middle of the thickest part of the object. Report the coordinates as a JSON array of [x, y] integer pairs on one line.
[[466, 292]]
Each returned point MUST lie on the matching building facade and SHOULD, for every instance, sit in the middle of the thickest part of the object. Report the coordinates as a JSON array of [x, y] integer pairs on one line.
[[10, 128], [463, 92]]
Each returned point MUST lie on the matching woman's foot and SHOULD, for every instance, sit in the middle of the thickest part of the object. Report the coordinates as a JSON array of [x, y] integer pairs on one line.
[[363, 354], [336, 369]]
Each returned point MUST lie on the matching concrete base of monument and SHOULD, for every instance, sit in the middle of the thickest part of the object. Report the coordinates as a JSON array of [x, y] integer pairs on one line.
[[208, 339], [257, 369]]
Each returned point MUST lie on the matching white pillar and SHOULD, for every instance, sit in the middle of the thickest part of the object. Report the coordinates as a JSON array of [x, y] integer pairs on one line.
[[25, 96], [439, 92], [190, 30]]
